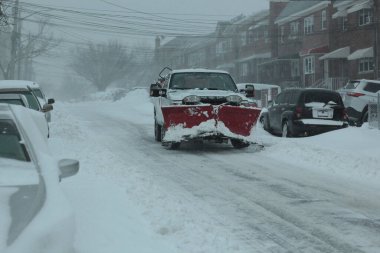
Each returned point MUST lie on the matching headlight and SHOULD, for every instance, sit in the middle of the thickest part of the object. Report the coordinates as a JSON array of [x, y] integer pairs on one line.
[[192, 99], [234, 99]]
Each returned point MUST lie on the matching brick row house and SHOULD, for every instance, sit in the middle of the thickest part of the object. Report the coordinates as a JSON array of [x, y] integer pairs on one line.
[[294, 43]]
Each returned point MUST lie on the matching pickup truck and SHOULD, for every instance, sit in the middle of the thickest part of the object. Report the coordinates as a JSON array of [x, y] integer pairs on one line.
[[202, 104]]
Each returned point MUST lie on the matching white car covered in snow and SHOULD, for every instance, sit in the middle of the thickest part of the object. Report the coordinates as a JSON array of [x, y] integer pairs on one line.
[[35, 217], [202, 104]]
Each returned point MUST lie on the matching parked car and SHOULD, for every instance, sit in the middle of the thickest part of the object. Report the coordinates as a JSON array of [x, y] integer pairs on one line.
[[303, 112], [35, 215], [41, 97], [25, 88], [202, 104], [263, 92], [356, 95]]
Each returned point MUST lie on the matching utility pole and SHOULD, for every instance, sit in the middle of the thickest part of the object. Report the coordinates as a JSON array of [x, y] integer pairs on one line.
[[14, 41]]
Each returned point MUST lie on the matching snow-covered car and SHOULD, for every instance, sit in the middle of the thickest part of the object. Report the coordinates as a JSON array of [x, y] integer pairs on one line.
[[303, 112], [28, 89], [356, 95], [23, 88], [263, 92], [36, 88], [35, 216], [202, 104]]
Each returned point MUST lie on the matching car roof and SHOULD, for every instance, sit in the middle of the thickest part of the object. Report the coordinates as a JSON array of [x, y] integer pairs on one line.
[[198, 70], [258, 86], [366, 80], [18, 84]]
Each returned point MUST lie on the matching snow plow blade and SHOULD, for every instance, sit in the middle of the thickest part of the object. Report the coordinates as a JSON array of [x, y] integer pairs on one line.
[[230, 121], [238, 120], [186, 116]]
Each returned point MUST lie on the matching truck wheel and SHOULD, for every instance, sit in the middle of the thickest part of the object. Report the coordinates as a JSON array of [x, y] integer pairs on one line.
[[238, 144], [157, 131]]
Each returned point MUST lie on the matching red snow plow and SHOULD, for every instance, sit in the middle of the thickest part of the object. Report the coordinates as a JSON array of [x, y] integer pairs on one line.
[[199, 104], [223, 119]]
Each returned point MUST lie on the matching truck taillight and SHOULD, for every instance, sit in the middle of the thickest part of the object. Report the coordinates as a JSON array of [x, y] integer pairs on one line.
[[355, 94]]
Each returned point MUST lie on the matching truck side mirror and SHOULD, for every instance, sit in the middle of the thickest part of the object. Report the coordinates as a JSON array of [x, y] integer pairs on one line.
[[249, 91], [154, 90]]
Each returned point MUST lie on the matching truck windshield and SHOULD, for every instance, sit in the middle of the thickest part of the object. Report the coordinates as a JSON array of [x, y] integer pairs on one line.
[[203, 81]]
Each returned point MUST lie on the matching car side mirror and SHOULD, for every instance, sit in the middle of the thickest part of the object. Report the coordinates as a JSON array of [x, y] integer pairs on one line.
[[47, 108], [249, 91], [67, 168], [51, 101]]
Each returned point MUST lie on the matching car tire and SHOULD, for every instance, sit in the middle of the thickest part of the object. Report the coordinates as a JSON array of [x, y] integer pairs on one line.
[[239, 144], [365, 117], [286, 132], [157, 131], [266, 125]]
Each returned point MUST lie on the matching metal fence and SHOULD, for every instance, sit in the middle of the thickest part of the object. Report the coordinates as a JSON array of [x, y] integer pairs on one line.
[[374, 113]]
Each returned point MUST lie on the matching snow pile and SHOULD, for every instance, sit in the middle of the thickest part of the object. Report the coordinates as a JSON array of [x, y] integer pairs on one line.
[[111, 94]]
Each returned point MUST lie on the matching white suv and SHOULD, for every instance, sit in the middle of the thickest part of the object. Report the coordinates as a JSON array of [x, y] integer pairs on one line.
[[356, 95]]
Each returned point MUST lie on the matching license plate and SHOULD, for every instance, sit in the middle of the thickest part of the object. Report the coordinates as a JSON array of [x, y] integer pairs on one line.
[[323, 113]]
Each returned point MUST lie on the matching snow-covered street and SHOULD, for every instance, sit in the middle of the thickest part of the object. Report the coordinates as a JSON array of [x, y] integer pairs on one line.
[[316, 194]]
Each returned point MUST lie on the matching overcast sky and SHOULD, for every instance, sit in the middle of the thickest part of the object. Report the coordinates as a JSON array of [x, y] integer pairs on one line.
[[173, 17]]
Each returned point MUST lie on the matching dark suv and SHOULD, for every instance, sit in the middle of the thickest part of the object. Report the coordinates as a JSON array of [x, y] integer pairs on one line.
[[296, 112]]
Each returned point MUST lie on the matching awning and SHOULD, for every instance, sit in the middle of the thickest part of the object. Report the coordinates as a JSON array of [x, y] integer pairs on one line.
[[361, 53], [363, 4], [256, 56], [262, 23], [340, 13], [341, 53], [315, 50]]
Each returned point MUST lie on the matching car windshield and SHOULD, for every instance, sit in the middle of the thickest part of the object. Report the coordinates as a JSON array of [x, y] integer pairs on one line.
[[10, 146], [322, 97], [30, 97], [38, 93], [207, 81], [12, 101]]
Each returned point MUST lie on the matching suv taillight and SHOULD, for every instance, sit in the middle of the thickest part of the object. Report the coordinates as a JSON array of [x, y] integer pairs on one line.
[[344, 114], [355, 94], [299, 111]]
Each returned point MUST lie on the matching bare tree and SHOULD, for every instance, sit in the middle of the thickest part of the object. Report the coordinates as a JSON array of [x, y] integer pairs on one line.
[[24, 47], [101, 64]]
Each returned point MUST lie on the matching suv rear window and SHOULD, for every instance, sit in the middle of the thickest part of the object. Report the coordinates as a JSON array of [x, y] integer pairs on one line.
[[352, 85], [372, 87], [322, 97]]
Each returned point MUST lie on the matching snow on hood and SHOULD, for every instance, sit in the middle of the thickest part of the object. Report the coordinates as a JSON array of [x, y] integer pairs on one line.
[[181, 94]]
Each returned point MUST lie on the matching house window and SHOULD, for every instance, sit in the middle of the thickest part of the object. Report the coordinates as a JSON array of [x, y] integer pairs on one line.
[[266, 34], [244, 69], [365, 16], [282, 34], [250, 37], [366, 65], [308, 65], [309, 25], [257, 35], [295, 68], [344, 23], [219, 48], [243, 38], [324, 20], [294, 28]]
